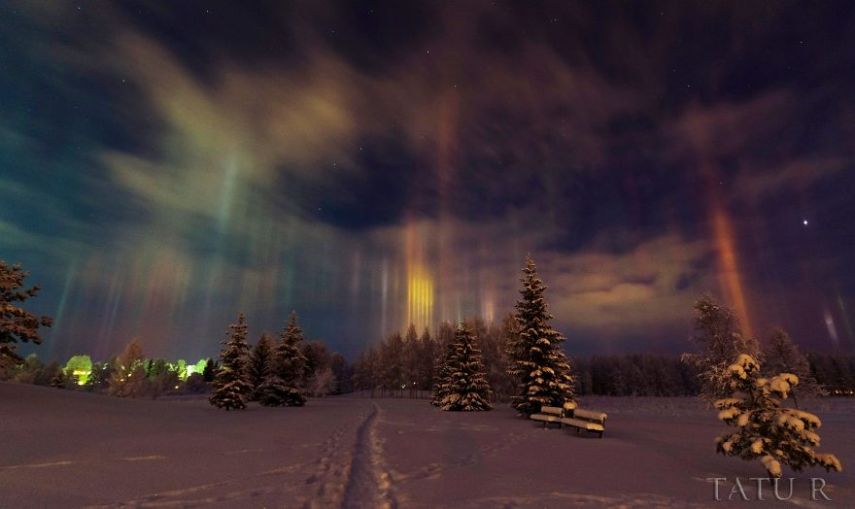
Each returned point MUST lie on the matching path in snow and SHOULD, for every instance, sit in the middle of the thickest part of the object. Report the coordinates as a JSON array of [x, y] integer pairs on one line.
[[69, 449], [361, 483], [368, 485]]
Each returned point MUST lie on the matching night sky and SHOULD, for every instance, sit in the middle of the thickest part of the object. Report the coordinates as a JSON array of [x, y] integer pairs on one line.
[[164, 165]]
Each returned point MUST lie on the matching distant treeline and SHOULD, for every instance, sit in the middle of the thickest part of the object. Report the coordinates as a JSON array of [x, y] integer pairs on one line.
[[405, 366], [635, 375], [663, 375], [132, 374], [834, 373]]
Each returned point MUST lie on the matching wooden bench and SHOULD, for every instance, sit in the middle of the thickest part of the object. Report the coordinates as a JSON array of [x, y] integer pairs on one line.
[[549, 415], [569, 415], [594, 422]]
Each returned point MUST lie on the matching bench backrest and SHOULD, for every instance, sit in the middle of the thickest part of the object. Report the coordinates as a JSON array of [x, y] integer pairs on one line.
[[588, 415], [552, 410]]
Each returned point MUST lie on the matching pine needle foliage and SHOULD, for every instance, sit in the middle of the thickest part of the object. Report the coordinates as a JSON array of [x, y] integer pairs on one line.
[[765, 429], [465, 387], [230, 386], [537, 363], [284, 381]]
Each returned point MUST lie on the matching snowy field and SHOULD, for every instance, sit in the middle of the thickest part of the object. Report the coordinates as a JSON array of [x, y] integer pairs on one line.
[[68, 449]]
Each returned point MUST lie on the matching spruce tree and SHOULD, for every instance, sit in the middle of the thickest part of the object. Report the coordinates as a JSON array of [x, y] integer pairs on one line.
[[293, 335], [442, 351], [258, 362], [285, 373], [209, 370], [781, 355], [537, 362], [231, 387], [442, 378], [766, 430], [720, 338], [466, 388]]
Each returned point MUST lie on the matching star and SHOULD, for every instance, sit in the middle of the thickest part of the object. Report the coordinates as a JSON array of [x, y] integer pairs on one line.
[[805, 222]]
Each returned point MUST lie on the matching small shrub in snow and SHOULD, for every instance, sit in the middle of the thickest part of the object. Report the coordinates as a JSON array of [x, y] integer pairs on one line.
[[321, 383], [765, 429]]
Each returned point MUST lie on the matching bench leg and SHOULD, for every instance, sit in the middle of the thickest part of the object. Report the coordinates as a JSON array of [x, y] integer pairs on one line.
[[601, 434]]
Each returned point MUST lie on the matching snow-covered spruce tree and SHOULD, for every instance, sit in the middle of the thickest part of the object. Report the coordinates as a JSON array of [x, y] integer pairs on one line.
[[718, 335], [285, 374], [258, 361], [466, 388], [293, 335], [442, 377], [536, 361], [781, 355], [765, 429], [441, 350], [231, 387]]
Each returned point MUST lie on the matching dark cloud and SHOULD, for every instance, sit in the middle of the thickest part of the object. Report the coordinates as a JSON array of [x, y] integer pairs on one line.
[[396, 184], [175, 163]]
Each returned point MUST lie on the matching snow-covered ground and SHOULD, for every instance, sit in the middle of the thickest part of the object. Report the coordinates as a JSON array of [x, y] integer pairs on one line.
[[68, 449]]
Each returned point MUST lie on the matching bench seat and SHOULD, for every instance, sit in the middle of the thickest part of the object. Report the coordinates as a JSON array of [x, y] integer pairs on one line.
[[588, 415], [585, 425], [546, 418], [570, 415], [549, 414]]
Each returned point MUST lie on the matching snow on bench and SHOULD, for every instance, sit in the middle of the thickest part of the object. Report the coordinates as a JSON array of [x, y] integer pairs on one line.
[[569, 415], [587, 420], [549, 414]]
